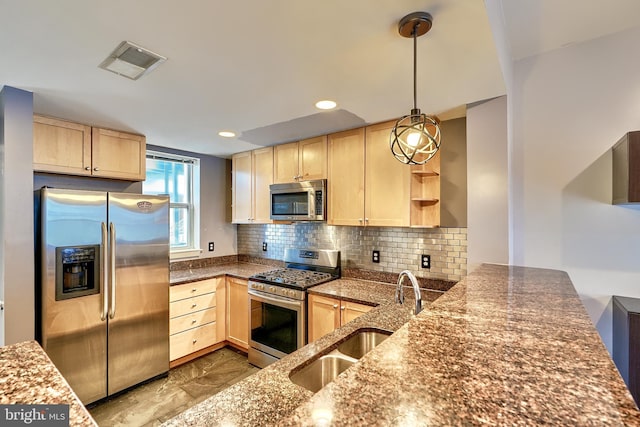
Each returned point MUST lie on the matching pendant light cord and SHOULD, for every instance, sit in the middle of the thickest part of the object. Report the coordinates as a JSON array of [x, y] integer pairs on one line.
[[415, 62]]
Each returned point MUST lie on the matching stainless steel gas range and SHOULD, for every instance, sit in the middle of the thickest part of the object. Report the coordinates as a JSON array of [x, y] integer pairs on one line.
[[278, 303]]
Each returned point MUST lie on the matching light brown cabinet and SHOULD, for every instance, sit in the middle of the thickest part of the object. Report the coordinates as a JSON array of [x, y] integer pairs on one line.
[[252, 173], [300, 161], [345, 183], [237, 313], [193, 317], [327, 314], [367, 185], [387, 181], [65, 147]]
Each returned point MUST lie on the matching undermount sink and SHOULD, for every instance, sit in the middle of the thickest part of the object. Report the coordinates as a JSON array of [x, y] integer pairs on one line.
[[322, 371], [362, 343], [326, 368]]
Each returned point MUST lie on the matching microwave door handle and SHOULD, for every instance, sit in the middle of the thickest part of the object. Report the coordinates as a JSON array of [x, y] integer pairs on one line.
[[311, 211], [112, 269], [104, 273]]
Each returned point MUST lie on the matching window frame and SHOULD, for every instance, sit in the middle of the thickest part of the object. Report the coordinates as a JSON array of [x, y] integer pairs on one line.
[[192, 205]]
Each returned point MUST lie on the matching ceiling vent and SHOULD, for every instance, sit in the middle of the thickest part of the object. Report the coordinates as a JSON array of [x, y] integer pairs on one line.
[[131, 61]]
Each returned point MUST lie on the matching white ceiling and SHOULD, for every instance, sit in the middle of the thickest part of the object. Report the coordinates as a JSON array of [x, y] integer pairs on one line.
[[257, 67]]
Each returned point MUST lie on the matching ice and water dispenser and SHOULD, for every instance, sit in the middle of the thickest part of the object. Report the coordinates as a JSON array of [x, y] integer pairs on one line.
[[77, 271]]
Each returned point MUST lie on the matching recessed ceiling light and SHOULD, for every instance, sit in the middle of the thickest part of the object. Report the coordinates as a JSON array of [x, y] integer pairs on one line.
[[326, 104], [227, 134]]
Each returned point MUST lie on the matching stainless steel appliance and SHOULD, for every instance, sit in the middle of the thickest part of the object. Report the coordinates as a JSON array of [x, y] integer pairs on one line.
[[103, 287], [278, 303], [299, 201]]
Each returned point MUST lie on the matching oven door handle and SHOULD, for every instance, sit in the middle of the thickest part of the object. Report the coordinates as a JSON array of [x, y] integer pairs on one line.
[[275, 300]]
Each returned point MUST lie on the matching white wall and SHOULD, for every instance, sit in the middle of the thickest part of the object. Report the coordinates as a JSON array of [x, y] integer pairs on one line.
[[16, 214], [487, 183], [569, 107]]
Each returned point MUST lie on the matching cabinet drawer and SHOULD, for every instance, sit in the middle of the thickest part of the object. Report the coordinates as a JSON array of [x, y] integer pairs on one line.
[[193, 320], [191, 305], [192, 340], [193, 289]]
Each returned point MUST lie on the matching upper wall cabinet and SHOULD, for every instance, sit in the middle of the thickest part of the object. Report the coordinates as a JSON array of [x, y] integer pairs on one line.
[[118, 154], [300, 161], [252, 173], [70, 148], [626, 169], [367, 185]]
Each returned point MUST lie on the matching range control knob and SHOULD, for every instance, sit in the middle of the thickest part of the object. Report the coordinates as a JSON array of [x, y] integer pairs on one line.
[[272, 288]]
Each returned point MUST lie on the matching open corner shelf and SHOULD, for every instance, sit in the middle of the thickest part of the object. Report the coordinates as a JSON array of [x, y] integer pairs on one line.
[[424, 173], [425, 201]]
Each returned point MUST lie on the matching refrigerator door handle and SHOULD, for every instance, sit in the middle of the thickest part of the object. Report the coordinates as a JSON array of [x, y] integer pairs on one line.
[[104, 276], [112, 269]]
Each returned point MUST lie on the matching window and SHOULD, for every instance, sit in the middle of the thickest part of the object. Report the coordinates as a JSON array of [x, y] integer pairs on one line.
[[178, 177]]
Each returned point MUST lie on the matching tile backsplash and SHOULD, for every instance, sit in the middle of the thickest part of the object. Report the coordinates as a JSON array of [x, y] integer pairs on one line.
[[400, 248]]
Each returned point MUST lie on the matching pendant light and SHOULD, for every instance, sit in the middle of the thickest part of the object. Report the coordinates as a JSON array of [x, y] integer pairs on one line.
[[415, 138]]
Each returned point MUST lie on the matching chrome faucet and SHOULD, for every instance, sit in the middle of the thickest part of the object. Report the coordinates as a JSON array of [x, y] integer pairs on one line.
[[416, 290]]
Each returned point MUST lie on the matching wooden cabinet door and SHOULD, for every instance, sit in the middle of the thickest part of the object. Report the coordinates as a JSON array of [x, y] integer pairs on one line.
[[61, 147], [237, 312], [324, 316], [351, 310], [262, 178], [221, 309], [118, 155], [346, 178], [285, 163], [387, 181], [312, 158], [241, 184]]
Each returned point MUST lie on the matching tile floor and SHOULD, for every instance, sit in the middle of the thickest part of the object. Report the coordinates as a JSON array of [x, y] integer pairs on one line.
[[153, 403]]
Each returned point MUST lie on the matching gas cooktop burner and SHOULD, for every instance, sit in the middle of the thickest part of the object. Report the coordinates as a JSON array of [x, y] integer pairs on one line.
[[293, 277]]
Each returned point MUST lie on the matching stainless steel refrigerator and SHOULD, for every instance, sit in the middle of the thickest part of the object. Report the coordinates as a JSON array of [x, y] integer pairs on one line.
[[103, 287]]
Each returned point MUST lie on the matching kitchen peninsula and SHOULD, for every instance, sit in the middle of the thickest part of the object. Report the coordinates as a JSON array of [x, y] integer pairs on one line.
[[27, 376], [505, 346]]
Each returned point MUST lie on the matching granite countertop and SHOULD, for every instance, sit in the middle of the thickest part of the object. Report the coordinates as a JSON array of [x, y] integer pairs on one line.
[[27, 376], [242, 270], [505, 346]]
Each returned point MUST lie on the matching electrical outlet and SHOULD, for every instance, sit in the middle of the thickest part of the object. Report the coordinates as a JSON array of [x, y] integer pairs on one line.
[[210, 246], [375, 257], [264, 246], [426, 261]]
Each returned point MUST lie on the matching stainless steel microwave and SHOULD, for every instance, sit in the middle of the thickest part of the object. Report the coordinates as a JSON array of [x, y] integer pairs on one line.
[[299, 201]]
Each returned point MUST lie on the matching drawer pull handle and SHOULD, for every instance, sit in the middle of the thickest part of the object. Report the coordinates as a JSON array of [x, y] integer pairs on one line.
[[335, 305], [193, 321], [342, 308], [195, 341], [194, 305], [194, 289]]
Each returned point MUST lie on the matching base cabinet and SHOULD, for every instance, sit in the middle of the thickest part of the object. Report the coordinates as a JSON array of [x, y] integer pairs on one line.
[[237, 313], [327, 314], [193, 317], [626, 342]]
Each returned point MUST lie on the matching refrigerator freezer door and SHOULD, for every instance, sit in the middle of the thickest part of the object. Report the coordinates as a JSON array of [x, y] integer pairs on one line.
[[139, 309], [73, 335]]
